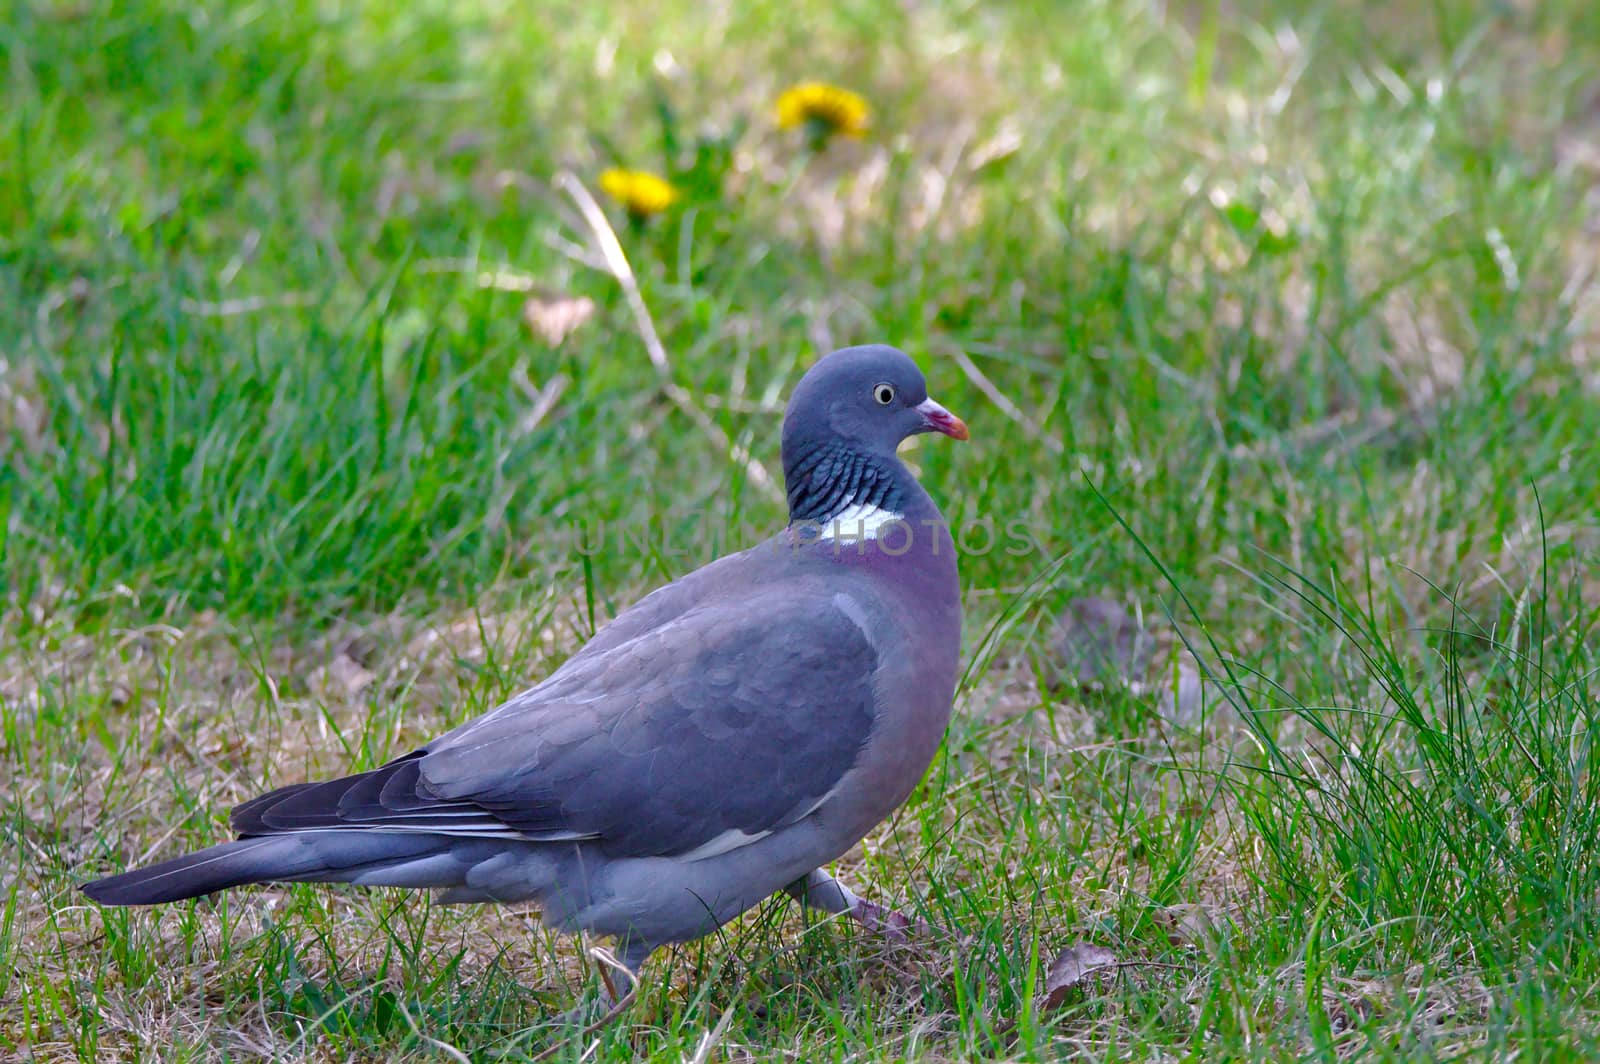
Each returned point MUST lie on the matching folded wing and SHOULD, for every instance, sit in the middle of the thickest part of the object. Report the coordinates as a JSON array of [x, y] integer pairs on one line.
[[724, 724]]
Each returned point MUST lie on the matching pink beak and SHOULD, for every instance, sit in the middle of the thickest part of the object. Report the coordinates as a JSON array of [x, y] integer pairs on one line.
[[938, 419]]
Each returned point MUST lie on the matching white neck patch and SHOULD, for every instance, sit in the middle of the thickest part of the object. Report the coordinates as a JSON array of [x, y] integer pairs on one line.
[[858, 521]]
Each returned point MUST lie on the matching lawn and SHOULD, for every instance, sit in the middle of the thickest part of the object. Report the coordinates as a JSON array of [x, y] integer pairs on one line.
[[338, 402]]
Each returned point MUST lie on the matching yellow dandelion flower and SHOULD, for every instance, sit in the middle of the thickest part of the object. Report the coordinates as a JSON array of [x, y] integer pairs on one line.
[[641, 192], [822, 110]]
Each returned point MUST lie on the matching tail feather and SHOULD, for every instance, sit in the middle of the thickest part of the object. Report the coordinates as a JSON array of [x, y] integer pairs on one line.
[[372, 858], [391, 797]]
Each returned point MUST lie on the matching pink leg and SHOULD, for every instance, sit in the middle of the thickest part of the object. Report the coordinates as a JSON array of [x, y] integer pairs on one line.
[[819, 890]]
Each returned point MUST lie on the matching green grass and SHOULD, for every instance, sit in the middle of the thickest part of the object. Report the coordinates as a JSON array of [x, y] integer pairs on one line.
[[1276, 317]]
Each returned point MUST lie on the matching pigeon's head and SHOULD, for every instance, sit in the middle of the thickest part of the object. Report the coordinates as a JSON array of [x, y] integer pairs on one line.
[[870, 398]]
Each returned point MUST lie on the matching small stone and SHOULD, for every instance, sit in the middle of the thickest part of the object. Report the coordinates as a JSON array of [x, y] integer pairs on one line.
[[1097, 642]]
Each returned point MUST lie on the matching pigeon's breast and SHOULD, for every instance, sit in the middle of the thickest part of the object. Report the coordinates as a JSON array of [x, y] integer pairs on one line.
[[908, 603]]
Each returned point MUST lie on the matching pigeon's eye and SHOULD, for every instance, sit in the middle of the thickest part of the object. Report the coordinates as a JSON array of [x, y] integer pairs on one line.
[[883, 393]]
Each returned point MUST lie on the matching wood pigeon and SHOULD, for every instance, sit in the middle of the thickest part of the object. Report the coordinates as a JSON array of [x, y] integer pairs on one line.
[[719, 741]]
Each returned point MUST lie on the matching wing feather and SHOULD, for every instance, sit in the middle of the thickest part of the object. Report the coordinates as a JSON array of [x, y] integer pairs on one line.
[[709, 724], [708, 731]]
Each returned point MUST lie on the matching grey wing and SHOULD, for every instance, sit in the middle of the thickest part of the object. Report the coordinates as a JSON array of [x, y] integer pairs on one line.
[[730, 721], [671, 601]]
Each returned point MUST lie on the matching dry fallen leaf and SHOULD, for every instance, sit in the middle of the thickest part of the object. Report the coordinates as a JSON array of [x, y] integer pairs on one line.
[[554, 318], [1069, 970], [1189, 924]]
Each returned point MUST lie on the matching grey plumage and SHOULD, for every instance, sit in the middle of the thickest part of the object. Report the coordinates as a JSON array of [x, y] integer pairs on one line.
[[717, 742]]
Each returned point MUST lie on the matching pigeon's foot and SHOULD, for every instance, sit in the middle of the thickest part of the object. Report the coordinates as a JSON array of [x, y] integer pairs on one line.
[[892, 924], [581, 1020], [819, 890], [597, 1009]]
